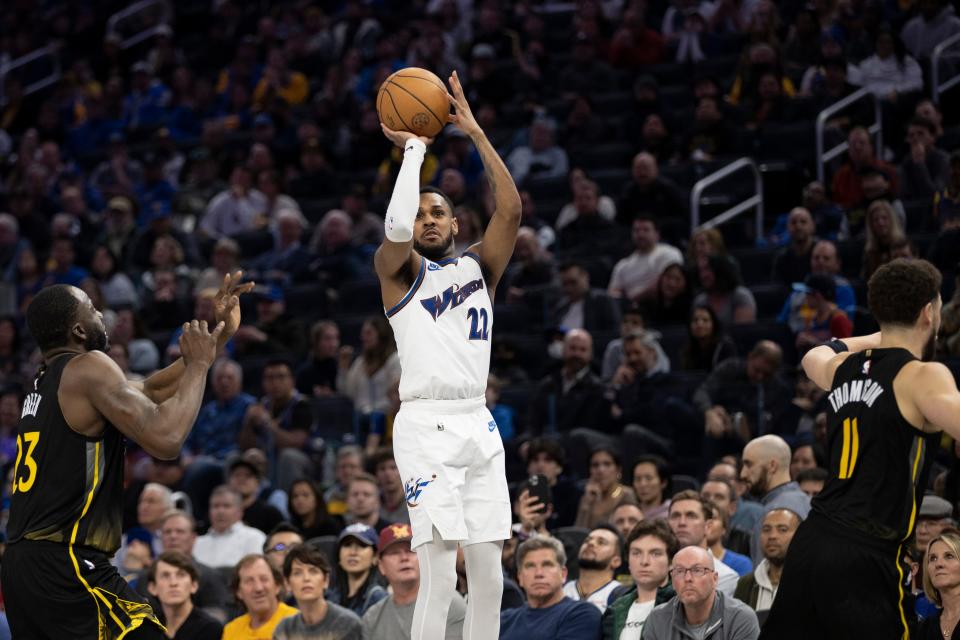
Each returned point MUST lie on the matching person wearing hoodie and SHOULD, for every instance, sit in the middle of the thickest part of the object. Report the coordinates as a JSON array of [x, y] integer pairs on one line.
[[651, 546], [936, 22]]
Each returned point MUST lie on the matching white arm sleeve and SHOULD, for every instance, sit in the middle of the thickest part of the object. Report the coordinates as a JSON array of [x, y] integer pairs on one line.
[[402, 210]]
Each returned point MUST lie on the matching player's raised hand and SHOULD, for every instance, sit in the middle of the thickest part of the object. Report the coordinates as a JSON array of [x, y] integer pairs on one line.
[[463, 117], [197, 344], [400, 138], [226, 304]]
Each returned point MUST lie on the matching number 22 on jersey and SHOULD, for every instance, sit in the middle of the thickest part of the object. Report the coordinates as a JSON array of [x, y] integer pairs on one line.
[[24, 484], [478, 324]]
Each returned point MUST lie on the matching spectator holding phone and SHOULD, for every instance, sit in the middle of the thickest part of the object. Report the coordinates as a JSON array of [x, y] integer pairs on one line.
[[533, 508]]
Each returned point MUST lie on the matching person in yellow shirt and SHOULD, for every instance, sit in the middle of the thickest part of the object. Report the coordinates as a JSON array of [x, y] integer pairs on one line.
[[257, 585], [279, 80]]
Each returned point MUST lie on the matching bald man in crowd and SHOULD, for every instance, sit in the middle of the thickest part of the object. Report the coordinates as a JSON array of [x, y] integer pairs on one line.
[[766, 470], [699, 610]]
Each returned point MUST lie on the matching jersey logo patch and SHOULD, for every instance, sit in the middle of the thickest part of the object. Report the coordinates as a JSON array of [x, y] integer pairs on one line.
[[491, 425], [865, 370], [433, 266], [90, 565], [452, 297], [413, 488]]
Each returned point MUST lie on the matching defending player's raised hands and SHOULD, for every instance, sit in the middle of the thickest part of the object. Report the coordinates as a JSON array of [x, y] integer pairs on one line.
[[197, 344], [226, 304], [463, 117], [400, 138]]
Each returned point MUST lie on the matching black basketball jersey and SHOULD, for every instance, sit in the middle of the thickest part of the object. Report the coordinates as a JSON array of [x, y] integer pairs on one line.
[[878, 461], [66, 487]]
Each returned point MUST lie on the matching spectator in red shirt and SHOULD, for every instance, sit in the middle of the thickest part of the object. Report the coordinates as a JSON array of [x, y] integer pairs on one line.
[[635, 44], [847, 190], [828, 321]]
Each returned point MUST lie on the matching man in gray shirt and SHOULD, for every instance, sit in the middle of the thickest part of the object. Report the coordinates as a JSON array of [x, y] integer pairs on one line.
[[392, 617], [307, 572]]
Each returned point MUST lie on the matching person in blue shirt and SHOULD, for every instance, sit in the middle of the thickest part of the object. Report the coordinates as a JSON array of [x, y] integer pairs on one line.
[[547, 613], [504, 415], [215, 433]]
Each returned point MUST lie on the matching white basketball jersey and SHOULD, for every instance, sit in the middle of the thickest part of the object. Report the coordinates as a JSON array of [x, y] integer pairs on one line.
[[443, 327]]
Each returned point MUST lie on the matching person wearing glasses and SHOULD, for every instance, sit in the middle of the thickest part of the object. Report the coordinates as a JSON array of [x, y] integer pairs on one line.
[[699, 610], [282, 538]]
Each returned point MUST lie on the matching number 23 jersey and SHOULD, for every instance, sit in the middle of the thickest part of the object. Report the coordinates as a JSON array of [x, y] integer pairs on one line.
[[442, 327], [66, 487]]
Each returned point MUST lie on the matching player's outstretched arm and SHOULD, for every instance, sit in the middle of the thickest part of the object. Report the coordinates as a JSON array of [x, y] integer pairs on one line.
[[160, 428], [501, 234], [163, 384], [937, 398], [397, 246], [820, 363]]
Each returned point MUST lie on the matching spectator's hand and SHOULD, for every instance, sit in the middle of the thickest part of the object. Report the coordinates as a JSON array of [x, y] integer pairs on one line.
[[463, 117], [716, 422], [345, 357], [615, 411], [624, 375], [530, 511], [197, 344], [918, 153], [400, 138], [226, 304], [258, 415], [592, 493]]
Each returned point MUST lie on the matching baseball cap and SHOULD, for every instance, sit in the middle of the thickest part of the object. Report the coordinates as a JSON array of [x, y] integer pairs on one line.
[[935, 507], [362, 532], [396, 532], [120, 203], [821, 283], [253, 459]]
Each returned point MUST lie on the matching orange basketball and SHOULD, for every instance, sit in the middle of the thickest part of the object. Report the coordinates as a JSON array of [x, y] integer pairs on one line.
[[414, 100]]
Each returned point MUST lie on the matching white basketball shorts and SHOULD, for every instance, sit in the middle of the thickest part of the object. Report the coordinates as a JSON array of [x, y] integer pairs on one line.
[[450, 458]]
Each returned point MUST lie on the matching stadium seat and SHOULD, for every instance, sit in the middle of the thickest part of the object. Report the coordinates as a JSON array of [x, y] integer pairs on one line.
[[335, 417], [770, 299], [680, 482], [360, 295], [328, 545]]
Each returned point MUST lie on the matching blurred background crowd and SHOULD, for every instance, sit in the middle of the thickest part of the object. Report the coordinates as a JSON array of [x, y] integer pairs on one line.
[[146, 151]]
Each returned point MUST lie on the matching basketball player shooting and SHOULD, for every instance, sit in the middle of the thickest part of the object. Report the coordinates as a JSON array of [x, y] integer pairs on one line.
[[446, 444], [844, 575], [66, 505]]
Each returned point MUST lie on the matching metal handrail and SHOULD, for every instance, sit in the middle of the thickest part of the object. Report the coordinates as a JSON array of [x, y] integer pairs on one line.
[[935, 87], [756, 200], [134, 9], [876, 129], [54, 76]]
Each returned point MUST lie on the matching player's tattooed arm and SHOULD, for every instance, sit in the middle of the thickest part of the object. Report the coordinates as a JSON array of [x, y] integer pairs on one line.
[[501, 234]]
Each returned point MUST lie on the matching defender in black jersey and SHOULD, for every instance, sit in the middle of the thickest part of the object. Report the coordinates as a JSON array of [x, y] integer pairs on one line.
[[844, 575], [65, 509]]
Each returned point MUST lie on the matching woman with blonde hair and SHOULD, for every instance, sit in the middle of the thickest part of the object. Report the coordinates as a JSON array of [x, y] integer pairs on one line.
[[941, 584], [884, 230]]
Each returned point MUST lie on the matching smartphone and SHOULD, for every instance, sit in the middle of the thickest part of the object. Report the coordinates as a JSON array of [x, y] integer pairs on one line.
[[539, 487]]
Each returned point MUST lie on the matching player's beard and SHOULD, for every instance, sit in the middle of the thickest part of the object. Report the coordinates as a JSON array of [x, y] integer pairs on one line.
[[436, 253], [96, 339]]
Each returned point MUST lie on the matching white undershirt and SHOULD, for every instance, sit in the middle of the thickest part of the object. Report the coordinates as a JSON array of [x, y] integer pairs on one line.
[[633, 628]]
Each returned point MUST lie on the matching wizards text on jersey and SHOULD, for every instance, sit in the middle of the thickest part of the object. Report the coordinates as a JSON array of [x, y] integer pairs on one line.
[[452, 297]]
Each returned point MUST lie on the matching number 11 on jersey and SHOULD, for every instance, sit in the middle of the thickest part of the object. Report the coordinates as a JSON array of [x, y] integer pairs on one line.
[[478, 324]]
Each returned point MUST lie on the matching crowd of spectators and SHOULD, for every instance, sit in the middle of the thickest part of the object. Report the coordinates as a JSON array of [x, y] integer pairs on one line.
[[644, 369]]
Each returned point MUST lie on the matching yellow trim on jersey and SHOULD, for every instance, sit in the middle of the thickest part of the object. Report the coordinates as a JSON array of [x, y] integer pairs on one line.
[[916, 465], [845, 455], [903, 616], [855, 446]]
